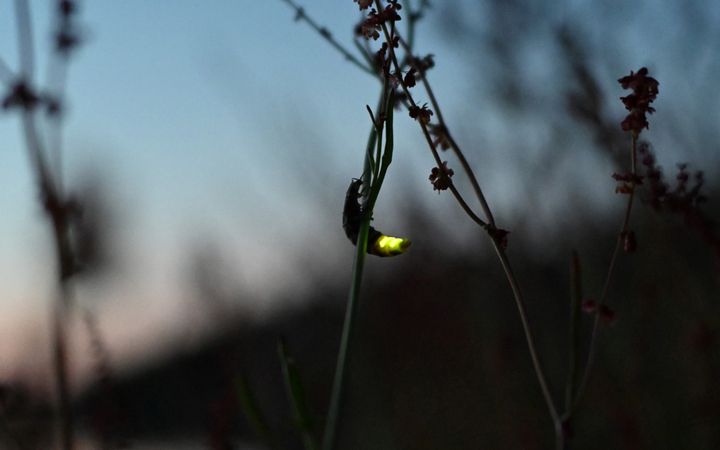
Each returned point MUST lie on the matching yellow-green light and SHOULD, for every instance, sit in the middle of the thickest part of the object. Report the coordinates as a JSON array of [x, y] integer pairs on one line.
[[390, 246]]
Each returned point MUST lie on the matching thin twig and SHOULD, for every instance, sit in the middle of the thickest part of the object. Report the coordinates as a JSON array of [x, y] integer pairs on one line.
[[25, 40], [56, 209], [594, 337], [322, 31], [512, 280], [57, 216], [365, 52], [517, 295], [426, 132], [456, 148], [56, 81]]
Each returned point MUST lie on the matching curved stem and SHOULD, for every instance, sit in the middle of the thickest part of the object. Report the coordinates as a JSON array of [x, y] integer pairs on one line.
[[517, 296], [57, 216], [325, 34], [512, 280], [431, 145], [594, 337], [456, 148]]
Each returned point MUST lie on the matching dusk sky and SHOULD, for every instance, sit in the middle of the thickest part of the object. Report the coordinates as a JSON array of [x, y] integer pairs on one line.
[[228, 123], [203, 123]]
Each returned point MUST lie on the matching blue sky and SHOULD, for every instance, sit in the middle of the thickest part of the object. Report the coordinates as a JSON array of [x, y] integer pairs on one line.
[[233, 123], [190, 113]]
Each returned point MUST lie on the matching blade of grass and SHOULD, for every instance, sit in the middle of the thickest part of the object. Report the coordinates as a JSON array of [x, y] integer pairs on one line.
[[576, 295], [253, 414], [296, 394]]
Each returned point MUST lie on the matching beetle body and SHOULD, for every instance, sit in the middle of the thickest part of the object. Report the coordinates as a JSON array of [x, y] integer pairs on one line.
[[379, 244]]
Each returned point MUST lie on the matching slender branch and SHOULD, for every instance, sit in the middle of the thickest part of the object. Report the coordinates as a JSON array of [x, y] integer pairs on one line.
[[57, 216], [426, 131], [512, 280], [466, 207], [594, 337], [517, 295], [55, 206], [453, 144], [365, 52], [368, 67], [414, 16], [322, 31], [56, 81], [25, 40]]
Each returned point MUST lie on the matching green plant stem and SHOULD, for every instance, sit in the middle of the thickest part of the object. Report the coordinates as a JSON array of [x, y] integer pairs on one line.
[[385, 111], [296, 395], [337, 395], [387, 154]]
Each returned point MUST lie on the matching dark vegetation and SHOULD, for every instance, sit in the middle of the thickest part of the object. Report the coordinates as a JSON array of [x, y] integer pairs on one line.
[[412, 386]]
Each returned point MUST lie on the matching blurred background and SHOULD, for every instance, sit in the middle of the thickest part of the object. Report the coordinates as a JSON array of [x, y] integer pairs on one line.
[[212, 147]]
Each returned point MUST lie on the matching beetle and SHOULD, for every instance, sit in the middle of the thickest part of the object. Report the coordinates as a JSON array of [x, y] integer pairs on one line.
[[379, 244]]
